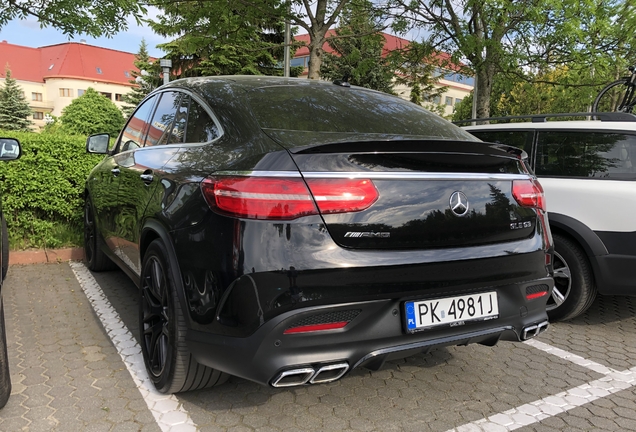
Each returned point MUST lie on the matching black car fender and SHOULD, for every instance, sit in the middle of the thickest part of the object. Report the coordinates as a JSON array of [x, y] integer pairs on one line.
[[151, 231]]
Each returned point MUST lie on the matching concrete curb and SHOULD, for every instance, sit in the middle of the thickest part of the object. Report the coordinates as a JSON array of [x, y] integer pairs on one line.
[[40, 256]]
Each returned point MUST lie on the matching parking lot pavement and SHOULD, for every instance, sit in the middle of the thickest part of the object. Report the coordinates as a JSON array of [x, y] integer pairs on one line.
[[68, 375]]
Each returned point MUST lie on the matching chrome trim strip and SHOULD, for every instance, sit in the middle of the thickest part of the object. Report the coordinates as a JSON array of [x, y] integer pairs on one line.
[[378, 175], [258, 173], [416, 175]]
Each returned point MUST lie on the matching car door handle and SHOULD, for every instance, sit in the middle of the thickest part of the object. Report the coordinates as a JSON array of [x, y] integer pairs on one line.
[[146, 178], [115, 171]]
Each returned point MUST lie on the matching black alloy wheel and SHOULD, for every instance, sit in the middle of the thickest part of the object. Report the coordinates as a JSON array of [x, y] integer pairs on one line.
[[156, 320], [96, 259], [170, 365], [574, 288]]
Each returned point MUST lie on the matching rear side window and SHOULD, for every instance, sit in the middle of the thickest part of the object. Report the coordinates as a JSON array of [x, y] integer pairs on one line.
[[517, 138], [161, 124], [586, 154], [201, 128]]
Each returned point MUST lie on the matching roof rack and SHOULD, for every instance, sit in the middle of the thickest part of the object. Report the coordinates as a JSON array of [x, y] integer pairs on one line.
[[541, 118]]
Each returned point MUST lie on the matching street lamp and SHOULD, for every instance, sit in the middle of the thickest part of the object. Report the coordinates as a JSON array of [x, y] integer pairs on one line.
[[165, 64]]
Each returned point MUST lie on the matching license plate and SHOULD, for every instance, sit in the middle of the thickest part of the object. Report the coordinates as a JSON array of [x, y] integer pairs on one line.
[[452, 311]]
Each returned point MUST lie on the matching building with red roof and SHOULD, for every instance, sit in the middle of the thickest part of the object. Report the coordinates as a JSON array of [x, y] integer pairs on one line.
[[458, 85], [52, 76]]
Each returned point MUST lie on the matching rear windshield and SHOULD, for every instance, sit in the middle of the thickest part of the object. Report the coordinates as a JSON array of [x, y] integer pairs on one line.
[[347, 110]]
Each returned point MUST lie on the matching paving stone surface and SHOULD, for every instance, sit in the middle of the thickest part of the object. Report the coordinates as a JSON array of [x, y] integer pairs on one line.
[[68, 376], [65, 372]]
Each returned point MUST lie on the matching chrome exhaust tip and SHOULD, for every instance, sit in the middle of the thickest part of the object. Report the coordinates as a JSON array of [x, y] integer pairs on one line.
[[293, 377], [534, 330], [329, 373]]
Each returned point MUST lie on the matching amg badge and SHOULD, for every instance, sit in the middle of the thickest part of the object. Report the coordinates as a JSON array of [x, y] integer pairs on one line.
[[367, 234]]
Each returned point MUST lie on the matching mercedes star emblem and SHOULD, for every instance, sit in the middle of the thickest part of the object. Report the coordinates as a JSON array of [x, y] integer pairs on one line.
[[459, 203]]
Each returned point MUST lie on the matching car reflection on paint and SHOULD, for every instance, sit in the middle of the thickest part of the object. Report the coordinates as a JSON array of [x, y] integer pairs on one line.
[[281, 230], [9, 150]]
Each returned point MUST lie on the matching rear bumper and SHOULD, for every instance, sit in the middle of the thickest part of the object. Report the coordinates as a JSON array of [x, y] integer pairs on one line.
[[375, 334]]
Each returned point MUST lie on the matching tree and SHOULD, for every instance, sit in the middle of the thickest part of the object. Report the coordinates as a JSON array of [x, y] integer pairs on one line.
[[358, 48], [222, 38], [316, 22], [92, 17], [415, 67], [91, 113], [498, 37], [144, 79], [14, 109]]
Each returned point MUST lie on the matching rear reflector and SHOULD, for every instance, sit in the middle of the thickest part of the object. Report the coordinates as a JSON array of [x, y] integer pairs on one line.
[[273, 198], [316, 327], [529, 193], [536, 295], [536, 291]]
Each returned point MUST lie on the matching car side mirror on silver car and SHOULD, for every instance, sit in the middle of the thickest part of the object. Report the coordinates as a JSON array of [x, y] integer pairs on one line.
[[9, 149], [97, 143]]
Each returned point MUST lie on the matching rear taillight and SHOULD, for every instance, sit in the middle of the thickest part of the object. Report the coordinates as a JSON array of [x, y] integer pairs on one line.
[[529, 193], [276, 198]]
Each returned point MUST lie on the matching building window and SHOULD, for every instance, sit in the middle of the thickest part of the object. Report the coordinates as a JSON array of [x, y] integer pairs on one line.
[[457, 100], [36, 97], [449, 101], [119, 97], [38, 115], [437, 100], [107, 95], [80, 92], [66, 92], [299, 61]]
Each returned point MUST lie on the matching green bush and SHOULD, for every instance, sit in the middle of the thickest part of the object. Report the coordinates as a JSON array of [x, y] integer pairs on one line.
[[91, 113], [42, 192]]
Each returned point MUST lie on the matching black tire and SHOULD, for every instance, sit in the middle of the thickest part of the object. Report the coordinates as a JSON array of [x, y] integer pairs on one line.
[[5, 376], [5, 249], [95, 258], [170, 365], [574, 287], [611, 97]]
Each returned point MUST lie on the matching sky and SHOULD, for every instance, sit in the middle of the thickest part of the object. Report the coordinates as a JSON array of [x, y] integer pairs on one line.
[[28, 33]]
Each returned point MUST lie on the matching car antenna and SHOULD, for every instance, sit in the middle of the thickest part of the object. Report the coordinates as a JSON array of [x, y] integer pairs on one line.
[[344, 82]]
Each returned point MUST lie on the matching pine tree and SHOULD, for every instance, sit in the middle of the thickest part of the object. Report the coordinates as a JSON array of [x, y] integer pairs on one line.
[[14, 109], [145, 79], [358, 44]]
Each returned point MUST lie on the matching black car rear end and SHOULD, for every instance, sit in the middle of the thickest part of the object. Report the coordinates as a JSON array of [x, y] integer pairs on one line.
[[323, 228], [355, 245]]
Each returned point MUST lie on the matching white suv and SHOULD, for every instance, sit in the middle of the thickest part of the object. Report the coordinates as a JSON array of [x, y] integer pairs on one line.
[[588, 171]]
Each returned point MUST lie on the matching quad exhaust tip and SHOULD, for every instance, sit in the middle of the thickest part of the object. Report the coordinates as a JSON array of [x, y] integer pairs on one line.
[[301, 376], [534, 330]]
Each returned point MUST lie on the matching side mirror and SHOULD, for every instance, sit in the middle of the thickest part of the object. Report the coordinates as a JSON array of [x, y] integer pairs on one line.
[[9, 149], [98, 143]]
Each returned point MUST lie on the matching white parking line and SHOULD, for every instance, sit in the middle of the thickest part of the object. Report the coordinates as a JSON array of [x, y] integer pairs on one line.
[[576, 359], [524, 415], [168, 411]]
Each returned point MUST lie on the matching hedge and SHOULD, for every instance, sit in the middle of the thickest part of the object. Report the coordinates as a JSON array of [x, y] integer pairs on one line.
[[42, 192]]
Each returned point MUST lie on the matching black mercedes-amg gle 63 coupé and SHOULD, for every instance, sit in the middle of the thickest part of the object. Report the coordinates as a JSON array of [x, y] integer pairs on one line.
[[287, 231]]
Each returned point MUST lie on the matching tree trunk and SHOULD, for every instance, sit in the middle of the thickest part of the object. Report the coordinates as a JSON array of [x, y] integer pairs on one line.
[[485, 76], [315, 58]]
